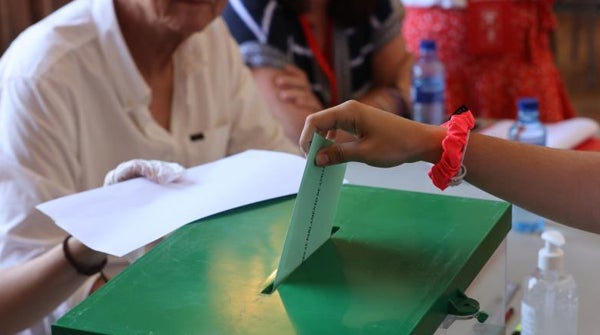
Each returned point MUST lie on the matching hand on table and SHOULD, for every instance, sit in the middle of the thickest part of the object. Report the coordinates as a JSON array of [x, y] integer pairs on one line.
[[294, 87]]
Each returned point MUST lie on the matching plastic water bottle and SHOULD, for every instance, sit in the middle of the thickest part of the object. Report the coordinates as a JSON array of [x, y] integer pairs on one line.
[[527, 129], [550, 302], [428, 86]]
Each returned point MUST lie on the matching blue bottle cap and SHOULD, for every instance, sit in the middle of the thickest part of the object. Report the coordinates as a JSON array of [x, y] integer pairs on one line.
[[428, 45], [528, 104]]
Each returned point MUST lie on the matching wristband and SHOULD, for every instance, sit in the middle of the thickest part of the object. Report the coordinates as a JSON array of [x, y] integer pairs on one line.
[[84, 270], [449, 171]]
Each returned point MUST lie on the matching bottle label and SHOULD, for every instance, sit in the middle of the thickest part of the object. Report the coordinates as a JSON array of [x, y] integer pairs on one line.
[[524, 221], [528, 322], [528, 132], [550, 315], [428, 90], [536, 141]]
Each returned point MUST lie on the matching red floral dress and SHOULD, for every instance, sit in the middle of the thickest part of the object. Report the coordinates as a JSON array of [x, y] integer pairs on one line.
[[490, 85]]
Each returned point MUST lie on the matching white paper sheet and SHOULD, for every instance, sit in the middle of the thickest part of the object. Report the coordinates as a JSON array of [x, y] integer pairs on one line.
[[125, 216], [561, 135]]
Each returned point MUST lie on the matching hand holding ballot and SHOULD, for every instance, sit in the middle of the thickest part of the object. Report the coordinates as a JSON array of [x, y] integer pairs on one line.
[[502, 168], [380, 139]]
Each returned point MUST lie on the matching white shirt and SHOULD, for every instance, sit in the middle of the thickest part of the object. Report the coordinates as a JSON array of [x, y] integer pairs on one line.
[[73, 106]]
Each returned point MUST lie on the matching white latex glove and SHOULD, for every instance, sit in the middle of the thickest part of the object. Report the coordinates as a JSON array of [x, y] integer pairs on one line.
[[157, 171]]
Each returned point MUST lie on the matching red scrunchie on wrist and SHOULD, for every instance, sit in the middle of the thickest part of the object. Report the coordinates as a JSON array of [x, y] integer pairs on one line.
[[449, 171]]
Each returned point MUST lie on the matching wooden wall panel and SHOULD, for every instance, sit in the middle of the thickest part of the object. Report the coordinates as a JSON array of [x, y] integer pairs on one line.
[[16, 15]]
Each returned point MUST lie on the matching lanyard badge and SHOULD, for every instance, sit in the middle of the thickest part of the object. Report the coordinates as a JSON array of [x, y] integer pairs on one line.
[[322, 58]]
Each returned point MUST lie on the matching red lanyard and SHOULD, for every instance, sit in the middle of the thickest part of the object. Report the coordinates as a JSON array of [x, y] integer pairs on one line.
[[321, 57]]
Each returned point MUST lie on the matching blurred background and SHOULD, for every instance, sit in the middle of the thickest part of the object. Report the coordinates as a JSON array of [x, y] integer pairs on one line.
[[576, 43], [577, 53]]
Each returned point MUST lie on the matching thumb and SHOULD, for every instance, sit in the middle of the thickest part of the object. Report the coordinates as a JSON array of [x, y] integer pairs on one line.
[[337, 153]]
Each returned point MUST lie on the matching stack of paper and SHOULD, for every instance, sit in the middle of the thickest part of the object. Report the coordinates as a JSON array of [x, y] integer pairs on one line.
[[125, 216]]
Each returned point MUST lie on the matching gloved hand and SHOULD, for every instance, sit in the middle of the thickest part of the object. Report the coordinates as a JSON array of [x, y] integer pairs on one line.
[[157, 171]]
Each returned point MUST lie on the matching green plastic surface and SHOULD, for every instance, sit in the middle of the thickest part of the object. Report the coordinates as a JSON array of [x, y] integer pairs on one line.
[[390, 269]]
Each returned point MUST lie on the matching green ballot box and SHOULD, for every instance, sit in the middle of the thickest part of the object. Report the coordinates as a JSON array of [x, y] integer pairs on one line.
[[397, 263]]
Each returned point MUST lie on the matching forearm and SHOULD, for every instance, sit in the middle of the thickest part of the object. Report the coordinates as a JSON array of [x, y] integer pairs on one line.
[[559, 184], [563, 185], [391, 69], [30, 291], [387, 98]]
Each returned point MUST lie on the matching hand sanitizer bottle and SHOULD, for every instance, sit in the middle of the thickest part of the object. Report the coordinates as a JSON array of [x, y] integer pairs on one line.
[[549, 305]]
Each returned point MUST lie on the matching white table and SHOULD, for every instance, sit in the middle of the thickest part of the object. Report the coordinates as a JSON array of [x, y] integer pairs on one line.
[[582, 249]]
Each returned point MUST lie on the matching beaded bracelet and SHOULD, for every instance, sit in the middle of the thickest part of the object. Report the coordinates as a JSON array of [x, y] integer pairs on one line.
[[81, 269], [450, 171]]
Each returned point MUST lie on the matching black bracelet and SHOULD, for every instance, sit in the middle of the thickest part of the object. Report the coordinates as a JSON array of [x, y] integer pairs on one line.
[[84, 270]]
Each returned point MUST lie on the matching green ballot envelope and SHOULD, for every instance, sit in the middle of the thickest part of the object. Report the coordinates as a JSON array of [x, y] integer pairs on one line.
[[392, 265]]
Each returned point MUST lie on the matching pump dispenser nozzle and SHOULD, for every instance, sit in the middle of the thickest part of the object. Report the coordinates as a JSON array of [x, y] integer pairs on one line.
[[550, 257], [550, 302]]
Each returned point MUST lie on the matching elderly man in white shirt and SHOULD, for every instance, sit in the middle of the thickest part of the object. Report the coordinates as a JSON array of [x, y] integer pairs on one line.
[[100, 82]]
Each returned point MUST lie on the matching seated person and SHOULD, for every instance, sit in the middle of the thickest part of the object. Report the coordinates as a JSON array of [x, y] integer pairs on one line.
[[30, 290], [101, 82], [306, 55], [491, 74]]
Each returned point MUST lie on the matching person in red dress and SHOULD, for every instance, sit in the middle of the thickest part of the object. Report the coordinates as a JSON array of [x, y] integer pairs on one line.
[[487, 76]]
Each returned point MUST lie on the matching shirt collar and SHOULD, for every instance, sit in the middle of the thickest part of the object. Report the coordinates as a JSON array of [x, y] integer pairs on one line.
[[128, 81]]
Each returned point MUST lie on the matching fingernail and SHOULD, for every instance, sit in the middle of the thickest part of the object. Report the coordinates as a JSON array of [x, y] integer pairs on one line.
[[322, 159]]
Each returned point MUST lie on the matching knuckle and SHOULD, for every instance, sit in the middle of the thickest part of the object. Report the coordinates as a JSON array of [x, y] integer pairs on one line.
[[351, 104]]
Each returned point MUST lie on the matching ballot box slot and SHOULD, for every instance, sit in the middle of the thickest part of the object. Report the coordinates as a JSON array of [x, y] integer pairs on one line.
[[269, 285]]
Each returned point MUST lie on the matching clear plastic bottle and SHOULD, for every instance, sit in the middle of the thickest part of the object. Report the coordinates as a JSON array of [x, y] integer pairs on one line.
[[527, 129], [550, 302], [428, 86]]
